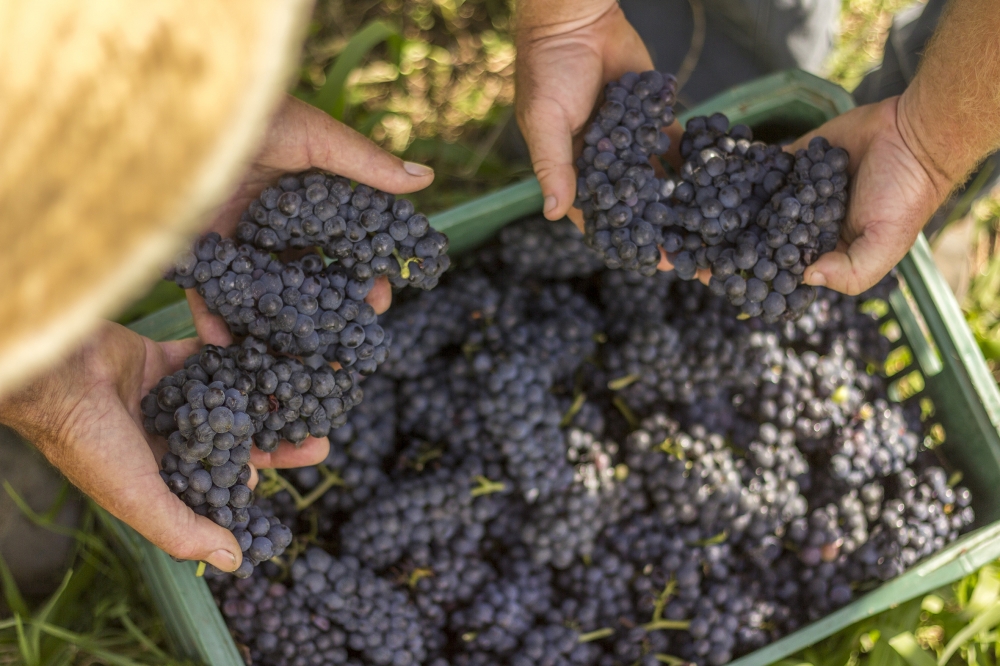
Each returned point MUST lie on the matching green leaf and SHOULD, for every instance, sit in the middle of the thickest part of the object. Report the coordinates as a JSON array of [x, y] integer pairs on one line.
[[908, 648], [988, 619], [332, 97]]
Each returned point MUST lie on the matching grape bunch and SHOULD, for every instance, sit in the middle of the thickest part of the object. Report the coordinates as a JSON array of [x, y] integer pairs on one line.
[[221, 403], [369, 233], [751, 214], [617, 188], [335, 612], [301, 307], [763, 215]]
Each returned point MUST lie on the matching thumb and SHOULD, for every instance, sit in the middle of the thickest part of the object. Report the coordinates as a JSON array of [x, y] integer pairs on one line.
[[173, 527], [211, 328], [852, 269], [550, 142]]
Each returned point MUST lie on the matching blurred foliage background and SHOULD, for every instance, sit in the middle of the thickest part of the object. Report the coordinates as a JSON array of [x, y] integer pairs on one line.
[[432, 81]]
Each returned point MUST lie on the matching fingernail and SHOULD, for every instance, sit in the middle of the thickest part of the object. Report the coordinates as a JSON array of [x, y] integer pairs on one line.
[[223, 559], [817, 280], [550, 203], [418, 170]]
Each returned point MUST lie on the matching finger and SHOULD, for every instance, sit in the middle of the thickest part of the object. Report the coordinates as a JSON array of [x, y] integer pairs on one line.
[[254, 477], [665, 263], [549, 135], [703, 275], [312, 451], [673, 155], [122, 476], [211, 328], [859, 268], [380, 297], [175, 352], [337, 148]]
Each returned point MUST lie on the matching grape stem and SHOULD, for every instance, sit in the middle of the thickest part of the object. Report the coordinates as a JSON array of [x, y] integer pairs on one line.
[[275, 483], [629, 415], [573, 410], [487, 487], [404, 264], [622, 382], [595, 635]]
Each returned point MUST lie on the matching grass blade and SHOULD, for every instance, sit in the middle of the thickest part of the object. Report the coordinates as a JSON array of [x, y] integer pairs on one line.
[[30, 658], [47, 522], [34, 633], [12, 594], [86, 645], [332, 97], [905, 644]]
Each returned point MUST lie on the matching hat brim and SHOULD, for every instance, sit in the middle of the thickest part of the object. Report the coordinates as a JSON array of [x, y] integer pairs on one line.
[[122, 125]]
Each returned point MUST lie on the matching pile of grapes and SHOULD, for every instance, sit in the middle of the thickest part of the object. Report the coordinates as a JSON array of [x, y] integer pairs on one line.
[[560, 455], [563, 464]]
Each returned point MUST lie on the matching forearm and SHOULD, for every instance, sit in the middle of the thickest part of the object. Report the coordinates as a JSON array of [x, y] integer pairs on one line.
[[950, 113]]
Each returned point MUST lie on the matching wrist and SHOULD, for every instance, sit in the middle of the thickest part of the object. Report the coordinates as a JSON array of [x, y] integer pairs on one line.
[[537, 19], [937, 139]]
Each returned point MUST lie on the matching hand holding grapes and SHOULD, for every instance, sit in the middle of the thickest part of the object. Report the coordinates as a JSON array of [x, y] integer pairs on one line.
[[894, 194], [909, 152], [84, 416], [566, 53], [302, 137]]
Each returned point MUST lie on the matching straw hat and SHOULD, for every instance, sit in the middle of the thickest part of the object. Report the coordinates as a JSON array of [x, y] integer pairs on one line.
[[122, 124]]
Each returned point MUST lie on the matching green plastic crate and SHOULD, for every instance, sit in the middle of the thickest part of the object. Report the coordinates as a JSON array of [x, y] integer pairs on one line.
[[931, 324]]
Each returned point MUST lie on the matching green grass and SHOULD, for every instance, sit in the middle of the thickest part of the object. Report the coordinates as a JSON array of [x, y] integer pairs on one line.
[[100, 614]]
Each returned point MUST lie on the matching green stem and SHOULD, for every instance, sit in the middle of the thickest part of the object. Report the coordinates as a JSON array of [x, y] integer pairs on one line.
[[487, 487], [682, 625], [595, 635], [404, 264], [622, 382], [573, 410], [629, 415]]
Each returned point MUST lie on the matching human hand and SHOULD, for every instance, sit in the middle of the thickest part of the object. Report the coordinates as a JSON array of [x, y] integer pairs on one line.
[[84, 416], [303, 137], [895, 189], [565, 55]]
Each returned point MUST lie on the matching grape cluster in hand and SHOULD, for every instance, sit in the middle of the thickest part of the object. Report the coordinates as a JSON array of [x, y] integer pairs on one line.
[[205, 413], [224, 400], [751, 214]]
